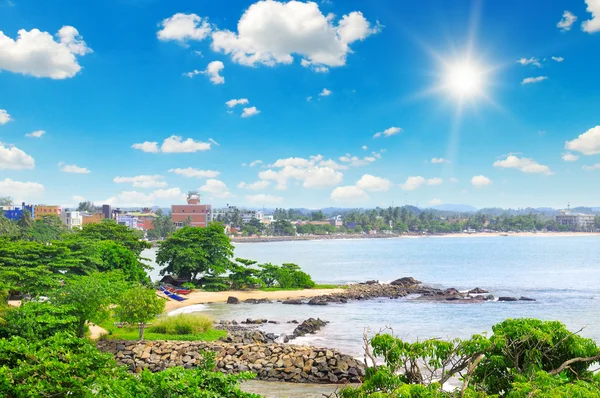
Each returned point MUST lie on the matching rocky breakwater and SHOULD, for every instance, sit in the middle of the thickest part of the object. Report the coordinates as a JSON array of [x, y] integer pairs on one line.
[[271, 362]]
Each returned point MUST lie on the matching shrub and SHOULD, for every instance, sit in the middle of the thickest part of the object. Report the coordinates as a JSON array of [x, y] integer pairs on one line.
[[182, 324], [36, 321]]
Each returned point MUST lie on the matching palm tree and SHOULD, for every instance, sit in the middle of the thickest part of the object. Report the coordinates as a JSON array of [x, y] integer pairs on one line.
[[25, 221]]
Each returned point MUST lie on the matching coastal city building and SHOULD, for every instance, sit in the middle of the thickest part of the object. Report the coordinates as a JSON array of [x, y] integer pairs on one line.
[[72, 219], [128, 220], [92, 218], [40, 211], [15, 212], [248, 215], [194, 213], [145, 219], [580, 220]]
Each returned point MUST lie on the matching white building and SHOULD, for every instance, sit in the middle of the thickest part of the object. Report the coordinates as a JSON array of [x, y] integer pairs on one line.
[[72, 219], [580, 220], [250, 214]]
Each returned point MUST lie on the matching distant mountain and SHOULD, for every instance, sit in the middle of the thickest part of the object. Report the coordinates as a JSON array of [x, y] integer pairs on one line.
[[455, 207]]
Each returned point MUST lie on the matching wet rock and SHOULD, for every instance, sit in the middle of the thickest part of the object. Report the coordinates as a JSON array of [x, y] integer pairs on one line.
[[293, 302], [232, 300], [523, 298], [478, 290], [309, 326], [452, 291], [503, 298], [317, 301], [406, 281], [257, 301]]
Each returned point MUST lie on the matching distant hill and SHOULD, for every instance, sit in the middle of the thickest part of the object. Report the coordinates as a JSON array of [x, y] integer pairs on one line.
[[455, 207]]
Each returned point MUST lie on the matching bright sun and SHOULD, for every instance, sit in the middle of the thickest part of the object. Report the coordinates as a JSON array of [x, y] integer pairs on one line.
[[464, 79]]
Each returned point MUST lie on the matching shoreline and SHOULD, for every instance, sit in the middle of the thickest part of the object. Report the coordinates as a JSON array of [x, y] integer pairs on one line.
[[221, 297], [265, 239]]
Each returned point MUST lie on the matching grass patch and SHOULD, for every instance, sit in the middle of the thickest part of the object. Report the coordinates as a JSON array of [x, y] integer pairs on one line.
[[183, 327], [279, 289]]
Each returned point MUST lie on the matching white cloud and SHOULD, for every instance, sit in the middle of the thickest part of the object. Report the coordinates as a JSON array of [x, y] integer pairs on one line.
[[480, 181], [215, 187], [526, 165], [35, 134], [567, 21], [355, 161], [309, 98], [270, 32], [348, 193], [146, 146], [4, 116], [325, 93], [263, 199], [569, 157], [78, 199], [71, 168], [435, 202], [587, 143], [13, 158], [21, 191], [183, 27], [435, 181], [388, 132], [413, 183], [530, 80], [249, 112], [593, 167], [530, 61], [213, 71], [176, 144], [314, 172], [191, 172], [142, 181], [372, 183], [315, 68], [140, 199], [364, 147], [255, 186], [233, 102], [558, 59], [38, 54], [592, 25], [255, 163], [215, 143], [439, 160]]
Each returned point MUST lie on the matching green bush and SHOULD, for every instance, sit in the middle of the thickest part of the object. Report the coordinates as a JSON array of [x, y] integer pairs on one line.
[[287, 276], [182, 324], [37, 321]]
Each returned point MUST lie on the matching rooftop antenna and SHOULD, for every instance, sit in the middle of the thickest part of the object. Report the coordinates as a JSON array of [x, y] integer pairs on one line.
[[569, 206]]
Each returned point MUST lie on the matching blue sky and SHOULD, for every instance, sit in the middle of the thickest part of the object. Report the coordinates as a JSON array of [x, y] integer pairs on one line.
[[339, 103]]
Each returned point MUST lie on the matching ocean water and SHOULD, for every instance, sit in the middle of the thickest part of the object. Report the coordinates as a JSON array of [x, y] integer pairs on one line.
[[561, 273]]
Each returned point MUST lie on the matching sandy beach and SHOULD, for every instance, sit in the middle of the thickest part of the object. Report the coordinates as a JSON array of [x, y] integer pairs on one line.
[[221, 297]]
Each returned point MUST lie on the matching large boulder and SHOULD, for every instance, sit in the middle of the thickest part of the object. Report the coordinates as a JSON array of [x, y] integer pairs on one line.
[[406, 281], [478, 290], [507, 298], [523, 298], [294, 302], [233, 300], [309, 326]]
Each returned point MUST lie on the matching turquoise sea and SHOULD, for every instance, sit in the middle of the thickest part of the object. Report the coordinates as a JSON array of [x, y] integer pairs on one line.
[[561, 273]]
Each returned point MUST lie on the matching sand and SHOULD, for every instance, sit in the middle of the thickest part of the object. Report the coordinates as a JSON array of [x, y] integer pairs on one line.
[[221, 297]]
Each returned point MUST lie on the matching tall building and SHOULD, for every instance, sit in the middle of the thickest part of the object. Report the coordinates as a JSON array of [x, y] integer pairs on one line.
[[72, 219], [580, 220], [40, 211], [198, 215], [15, 212]]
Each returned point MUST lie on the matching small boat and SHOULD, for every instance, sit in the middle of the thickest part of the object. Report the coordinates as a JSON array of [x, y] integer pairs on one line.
[[172, 295], [174, 289]]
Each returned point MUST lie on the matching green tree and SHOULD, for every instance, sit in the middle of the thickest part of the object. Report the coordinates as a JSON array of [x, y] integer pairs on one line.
[[317, 216], [193, 252], [87, 207], [91, 296], [163, 225], [283, 228], [8, 228], [35, 321], [110, 230], [25, 221], [139, 305], [6, 201], [46, 229]]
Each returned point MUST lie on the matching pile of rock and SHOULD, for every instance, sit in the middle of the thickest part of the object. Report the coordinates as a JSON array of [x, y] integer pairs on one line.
[[272, 362], [309, 326]]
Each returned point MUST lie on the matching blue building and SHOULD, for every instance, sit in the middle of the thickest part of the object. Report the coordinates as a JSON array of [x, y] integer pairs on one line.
[[15, 212]]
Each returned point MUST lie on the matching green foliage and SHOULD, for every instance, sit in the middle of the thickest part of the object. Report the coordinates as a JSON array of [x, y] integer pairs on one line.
[[25, 221], [287, 276], [91, 296], [201, 382], [242, 275], [527, 346], [523, 358], [283, 228], [182, 324], [188, 285], [110, 230], [215, 283], [163, 225], [191, 252], [8, 228], [59, 366], [87, 206], [139, 305], [45, 229], [35, 321]]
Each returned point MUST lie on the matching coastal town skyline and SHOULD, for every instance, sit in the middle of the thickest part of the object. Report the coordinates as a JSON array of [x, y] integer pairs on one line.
[[301, 104]]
